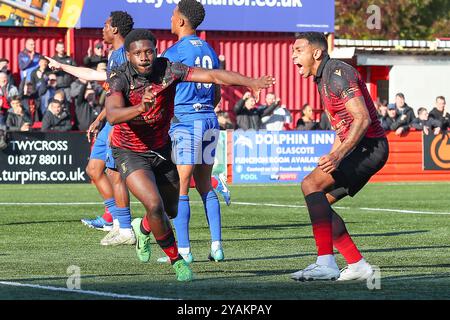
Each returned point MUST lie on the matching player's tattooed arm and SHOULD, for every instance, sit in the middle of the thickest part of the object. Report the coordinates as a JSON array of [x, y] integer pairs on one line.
[[229, 78], [361, 122]]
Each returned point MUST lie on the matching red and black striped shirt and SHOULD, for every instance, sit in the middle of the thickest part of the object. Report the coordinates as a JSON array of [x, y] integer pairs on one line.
[[339, 82], [149, 131]]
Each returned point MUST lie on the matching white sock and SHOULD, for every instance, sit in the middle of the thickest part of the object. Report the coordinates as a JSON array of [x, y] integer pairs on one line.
[[184, 251], [357, 265], [327, 260], [126, 232], [215, 245], [116, 223]]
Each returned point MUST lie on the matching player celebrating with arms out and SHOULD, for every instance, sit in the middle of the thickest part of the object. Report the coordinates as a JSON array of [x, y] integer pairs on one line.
[[140, 102], [359, 151]]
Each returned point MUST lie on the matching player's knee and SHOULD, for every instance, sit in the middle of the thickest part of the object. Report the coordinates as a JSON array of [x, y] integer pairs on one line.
[[94, 171], [154, 208], [306, 185]]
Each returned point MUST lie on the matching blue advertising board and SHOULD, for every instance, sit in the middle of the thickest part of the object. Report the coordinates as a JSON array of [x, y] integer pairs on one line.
[[222, 15], [281, 156]]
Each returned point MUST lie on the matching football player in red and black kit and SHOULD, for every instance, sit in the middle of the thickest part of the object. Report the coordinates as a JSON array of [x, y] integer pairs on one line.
[[140, 105], [359, 151]]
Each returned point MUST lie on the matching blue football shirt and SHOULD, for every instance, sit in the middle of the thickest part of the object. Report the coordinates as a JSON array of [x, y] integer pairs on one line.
[[193, 100]]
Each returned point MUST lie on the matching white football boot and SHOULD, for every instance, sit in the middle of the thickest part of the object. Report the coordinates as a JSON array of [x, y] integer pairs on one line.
[[359, 271], [316, 272]]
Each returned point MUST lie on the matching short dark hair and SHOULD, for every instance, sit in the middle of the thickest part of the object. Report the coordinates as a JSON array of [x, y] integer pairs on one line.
[[60, 42], [315, 38], [4, 60], [139, 34], [122, 21], [401, 95], [54, 101], [15, 98], [305, 105], [420, 110], [193, 11], [440, 97], [43, 58]]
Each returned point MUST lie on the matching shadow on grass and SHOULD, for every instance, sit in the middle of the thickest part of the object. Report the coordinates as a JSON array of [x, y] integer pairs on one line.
[[37, 222], [388, 234], [416, 266], [405, 249], [91, 276], [269, 226]]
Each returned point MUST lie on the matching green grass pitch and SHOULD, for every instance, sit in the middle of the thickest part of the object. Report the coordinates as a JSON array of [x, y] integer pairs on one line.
[[266, 232]]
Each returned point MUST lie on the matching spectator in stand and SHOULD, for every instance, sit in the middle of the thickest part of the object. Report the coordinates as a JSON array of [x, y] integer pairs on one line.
[[28, 98], [391, 119], [7, 89], [55, 119], [324, 123], [383, 117], [438, 113], [4, 107], [221, 62], [4, 67], [406, 112], [279, 118], [78, 85], [405, 115], [18, 119], [40, 74], [46, 93], [63, 79], [223, 118], [307, 121], [86, 108], [60, 95], [92, 60], [28, 60], [424, 123], [248, 115]]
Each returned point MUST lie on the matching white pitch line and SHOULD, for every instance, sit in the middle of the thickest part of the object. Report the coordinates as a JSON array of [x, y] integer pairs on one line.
[[88, 292], [235, 203]]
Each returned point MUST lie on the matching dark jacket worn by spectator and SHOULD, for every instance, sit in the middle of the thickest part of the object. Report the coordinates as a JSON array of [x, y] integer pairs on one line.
[[56, 123], [308, 125], [85, 111], [431, 123], [439, 116], [251, 118], [324, 123], [15, 121], [64, 79], [405, 117], [93, 61]]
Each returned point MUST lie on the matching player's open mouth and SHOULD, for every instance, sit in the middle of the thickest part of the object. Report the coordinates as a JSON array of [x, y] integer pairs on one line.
[[301, 70]]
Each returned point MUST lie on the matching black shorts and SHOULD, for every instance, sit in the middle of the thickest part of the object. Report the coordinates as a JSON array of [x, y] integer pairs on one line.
[[159, 162], [355, 170]]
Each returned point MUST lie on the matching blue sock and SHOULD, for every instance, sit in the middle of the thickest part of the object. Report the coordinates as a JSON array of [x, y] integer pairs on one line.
[[124, 217], [181, 222], [111, 205], [212, 210]]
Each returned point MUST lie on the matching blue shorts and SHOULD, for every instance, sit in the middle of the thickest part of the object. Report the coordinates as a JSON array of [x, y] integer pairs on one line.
[[102, 149], [194, 142]]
